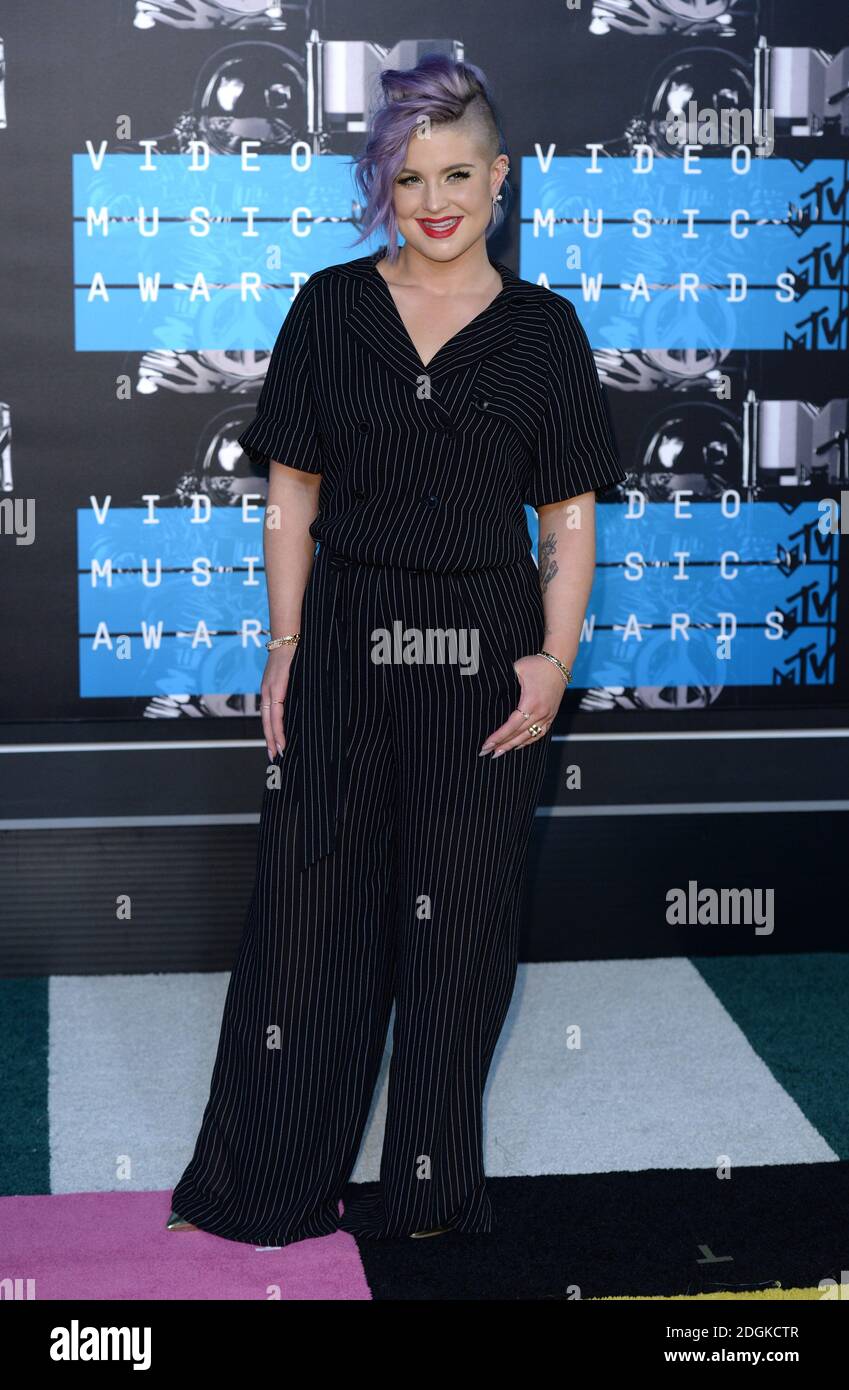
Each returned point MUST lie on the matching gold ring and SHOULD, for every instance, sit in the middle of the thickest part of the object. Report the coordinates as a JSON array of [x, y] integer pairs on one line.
[[534, 729], [522, 712]]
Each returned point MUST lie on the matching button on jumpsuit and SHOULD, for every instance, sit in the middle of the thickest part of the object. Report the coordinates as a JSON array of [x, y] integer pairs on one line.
[[391, 855]]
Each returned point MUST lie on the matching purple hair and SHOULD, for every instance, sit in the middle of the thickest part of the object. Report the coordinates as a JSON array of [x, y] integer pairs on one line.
[[441, 90]]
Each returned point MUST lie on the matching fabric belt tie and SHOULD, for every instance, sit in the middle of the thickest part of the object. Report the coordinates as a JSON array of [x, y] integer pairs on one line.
[[323, 768]]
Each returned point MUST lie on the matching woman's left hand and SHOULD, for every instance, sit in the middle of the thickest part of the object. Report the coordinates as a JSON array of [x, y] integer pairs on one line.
[[542, 688]]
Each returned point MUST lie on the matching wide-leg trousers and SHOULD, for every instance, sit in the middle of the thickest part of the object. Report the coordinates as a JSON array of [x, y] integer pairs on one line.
[[416, 903]]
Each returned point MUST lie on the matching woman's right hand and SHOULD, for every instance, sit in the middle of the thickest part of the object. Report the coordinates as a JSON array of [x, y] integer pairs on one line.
[[275, 683]]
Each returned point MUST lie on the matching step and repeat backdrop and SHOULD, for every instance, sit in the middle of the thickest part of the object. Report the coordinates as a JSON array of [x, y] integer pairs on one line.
[[174, 171]]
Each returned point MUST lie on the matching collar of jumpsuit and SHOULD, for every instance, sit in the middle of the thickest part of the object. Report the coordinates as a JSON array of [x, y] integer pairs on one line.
[[451, 374], [375, 319]]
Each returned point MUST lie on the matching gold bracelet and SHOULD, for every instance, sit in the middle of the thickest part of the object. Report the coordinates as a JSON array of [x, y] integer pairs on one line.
[[564, 670], [289, 640]]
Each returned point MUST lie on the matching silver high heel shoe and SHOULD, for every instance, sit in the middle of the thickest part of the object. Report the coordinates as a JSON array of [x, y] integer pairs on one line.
[[176, 1223]]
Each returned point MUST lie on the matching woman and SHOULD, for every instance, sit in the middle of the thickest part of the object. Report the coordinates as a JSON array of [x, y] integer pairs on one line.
[[414, 402]]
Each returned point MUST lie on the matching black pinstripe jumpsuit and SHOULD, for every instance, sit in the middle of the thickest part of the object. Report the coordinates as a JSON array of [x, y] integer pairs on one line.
[[391, 855]]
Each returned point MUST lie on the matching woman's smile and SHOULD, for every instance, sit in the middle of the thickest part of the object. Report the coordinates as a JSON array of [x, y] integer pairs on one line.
[[439, 226]]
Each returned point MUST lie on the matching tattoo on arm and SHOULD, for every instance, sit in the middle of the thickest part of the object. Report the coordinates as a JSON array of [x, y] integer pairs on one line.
[[548, 566]]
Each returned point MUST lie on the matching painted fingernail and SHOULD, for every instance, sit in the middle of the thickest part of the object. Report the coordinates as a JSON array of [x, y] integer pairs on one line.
[[279, 748], [487, 748], [498, 752]]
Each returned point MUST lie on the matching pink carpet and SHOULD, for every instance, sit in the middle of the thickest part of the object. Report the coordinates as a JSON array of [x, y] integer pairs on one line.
[[114, 1245]]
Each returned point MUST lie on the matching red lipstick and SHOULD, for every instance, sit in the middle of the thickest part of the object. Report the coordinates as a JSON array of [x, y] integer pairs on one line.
[[439, 226]]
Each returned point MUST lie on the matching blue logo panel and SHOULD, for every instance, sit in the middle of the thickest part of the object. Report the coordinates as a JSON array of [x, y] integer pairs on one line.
[[668, 592]]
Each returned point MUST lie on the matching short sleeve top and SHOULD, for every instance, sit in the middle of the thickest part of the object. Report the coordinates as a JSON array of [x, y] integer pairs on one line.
[[430, 467]]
